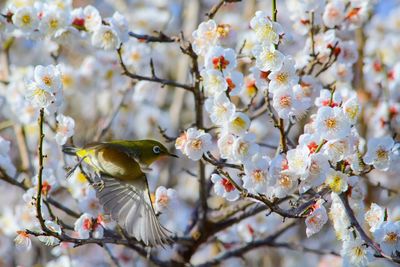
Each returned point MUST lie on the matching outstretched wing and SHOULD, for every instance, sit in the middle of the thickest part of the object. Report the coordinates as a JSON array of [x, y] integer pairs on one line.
[[130, 205]]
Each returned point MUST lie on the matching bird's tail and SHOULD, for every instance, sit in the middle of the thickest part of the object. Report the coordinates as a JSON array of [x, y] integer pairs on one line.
[[70, 150]]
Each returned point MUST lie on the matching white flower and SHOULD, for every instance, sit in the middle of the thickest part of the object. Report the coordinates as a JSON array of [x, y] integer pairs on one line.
[[164, 197], [66, 36], [23, 241], [26, 19], [326, 99], [283, 182], [5, 160], [120, 24], [374, 216], [261, 78], [48, 78], [49, 181], [39, 96], [283, 78], [220, 59], [89, 203], [224, 188], [336, 149], [249, 90], [379, 152], [266, 30], [92, 18], [65, 128], [106, 37], [86, 224], [244, 148], [197, 142], [332, 123], [337, 181], [234, 81], [298, 160], [136, 56], [220, 108], [355, 253], [205, 37], [7, 165], [52, 21], [239, 123], [256, 174], [285, 103], [316, 220], [51, 240], [352, 109], [334, 13], [348, 52], [268, 58], [214, 82], [315, 175], [225, 145], [286, 183], [388, 236]]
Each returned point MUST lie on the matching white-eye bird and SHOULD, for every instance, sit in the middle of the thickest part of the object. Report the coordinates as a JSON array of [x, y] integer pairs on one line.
[[123, 190]]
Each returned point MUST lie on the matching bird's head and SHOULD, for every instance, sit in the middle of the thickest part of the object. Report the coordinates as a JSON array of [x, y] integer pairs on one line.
[[151, 150]]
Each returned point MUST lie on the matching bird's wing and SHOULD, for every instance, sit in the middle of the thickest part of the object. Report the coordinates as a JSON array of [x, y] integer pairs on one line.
[[130, 205]]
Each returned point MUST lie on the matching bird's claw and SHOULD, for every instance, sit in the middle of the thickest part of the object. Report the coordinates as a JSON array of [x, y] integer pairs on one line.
[[99, 185]]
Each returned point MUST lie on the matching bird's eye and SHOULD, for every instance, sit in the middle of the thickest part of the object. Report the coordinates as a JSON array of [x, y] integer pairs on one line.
[[156, 149]]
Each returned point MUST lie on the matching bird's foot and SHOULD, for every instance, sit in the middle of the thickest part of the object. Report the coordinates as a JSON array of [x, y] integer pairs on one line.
[[99, 185]]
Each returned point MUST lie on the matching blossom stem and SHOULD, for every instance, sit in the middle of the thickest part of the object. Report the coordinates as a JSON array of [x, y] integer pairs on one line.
[[40, 172]]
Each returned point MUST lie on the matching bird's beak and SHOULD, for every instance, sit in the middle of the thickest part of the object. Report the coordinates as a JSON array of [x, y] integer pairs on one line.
[[173, 155]]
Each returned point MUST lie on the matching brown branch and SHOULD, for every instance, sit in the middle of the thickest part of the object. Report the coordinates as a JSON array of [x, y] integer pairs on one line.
[[360, 230], [159, 37], [150, 79], [214, 9], [40, 172], [220, 164], [238, 252]]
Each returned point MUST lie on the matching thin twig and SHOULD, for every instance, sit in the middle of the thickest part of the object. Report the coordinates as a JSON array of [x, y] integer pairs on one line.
[[214, 9], [151, 79], [160, 37]]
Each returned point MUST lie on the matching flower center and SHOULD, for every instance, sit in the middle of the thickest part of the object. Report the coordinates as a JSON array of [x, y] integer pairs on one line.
[[238, 122], [382, 154], [220, 63], [336, 183], [135, 56], [223, 30], [331, 123], [53, 23], [285, 181], [243, 148], [391, 238], [228, 186], [358, 251], [282, 78], [26, 19], [285, 101], [87, 224], [258, 176], [108, 36], [47, 80], [196, 144]]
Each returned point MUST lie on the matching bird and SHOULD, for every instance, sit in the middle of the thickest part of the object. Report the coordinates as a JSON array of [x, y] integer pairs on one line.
[[123, 189]]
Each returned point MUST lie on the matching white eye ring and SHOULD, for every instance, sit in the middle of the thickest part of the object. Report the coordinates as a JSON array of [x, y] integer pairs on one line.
[[156, 149]]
